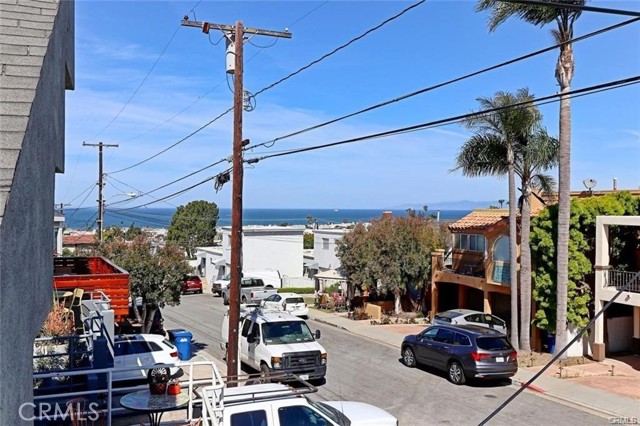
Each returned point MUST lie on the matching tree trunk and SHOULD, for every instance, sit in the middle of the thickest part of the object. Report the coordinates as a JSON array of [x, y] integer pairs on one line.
[[513, 249], [525, 271], [398, 305], [136, 311], [564, 74]]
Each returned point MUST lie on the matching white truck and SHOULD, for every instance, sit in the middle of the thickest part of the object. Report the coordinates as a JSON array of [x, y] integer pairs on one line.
[[251, 290], [270, 277], [276, 404], [276, 341]]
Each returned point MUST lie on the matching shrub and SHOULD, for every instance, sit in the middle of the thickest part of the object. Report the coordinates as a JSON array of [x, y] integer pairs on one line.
[[299, 290]]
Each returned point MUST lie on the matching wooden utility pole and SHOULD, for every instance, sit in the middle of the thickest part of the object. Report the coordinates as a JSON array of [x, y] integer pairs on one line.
[[100, 200], [236, 36]]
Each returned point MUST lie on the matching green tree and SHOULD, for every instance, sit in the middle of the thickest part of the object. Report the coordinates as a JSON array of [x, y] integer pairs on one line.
[[498, 147], [193, 225], [308, 241], [563, 33], [132, 232], [156, 278], [581, 255], [391, 254]]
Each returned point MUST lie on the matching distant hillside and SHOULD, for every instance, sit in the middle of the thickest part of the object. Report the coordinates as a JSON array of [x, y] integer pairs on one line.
[[449, 205]]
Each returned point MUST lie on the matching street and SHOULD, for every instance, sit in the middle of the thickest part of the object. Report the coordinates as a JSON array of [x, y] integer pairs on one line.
[[365, 370]]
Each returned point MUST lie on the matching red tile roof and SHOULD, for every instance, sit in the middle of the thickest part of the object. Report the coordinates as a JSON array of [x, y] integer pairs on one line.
[[82, 239], [479, 220]]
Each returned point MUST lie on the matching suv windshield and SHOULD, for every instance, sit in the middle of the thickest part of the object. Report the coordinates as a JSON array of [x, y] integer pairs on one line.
[[277, 333], [493, 343]]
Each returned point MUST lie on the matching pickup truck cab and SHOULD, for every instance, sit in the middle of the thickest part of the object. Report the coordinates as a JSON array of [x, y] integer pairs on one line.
[[275, 341], [276, 404], [251, 290]]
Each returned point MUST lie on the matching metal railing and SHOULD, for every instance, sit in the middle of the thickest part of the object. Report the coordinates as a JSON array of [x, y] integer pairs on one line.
[[189, 384], [622, 279]]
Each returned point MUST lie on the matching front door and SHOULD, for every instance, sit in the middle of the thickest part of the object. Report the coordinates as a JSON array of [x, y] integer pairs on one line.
[[424, 346]]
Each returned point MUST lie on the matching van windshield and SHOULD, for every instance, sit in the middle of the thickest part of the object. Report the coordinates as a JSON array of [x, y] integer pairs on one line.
[[278, 333]]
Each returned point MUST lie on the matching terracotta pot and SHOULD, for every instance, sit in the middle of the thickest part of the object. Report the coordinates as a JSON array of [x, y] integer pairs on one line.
[[173, 389], [157, 388]]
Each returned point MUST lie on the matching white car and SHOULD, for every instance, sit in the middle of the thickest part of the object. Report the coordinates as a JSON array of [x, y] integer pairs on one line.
[[136, 350], [290, 302], [467, 316]]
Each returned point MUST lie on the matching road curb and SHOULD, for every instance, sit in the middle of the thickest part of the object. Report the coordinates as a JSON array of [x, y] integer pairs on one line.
[[530, 387], [329, 323]]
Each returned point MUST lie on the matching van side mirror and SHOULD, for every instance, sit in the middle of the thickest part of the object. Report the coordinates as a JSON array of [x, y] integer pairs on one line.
[[251, 338], [317, 334]]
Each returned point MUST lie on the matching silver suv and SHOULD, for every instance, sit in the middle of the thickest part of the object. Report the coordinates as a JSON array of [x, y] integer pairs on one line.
[[467, 316]]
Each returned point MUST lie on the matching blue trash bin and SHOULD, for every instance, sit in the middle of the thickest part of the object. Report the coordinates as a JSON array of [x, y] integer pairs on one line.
[[182, 340]]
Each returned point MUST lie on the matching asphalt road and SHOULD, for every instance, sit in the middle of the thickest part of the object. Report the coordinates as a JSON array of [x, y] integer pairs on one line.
[[365, 370]]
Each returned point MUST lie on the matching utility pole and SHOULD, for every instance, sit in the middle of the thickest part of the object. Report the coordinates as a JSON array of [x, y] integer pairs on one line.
[[235, 37], [100, 184]]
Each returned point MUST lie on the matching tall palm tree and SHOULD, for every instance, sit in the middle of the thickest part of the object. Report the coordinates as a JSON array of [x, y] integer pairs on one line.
[[537, 152], [564, 19], [512, 142]]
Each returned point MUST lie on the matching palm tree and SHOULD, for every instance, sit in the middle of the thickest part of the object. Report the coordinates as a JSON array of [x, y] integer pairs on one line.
[[536, 152], [564, 19], [501, 201], [513, 142]]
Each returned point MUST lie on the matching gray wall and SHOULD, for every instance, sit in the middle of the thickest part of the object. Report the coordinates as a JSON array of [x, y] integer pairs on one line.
[[36, 53]]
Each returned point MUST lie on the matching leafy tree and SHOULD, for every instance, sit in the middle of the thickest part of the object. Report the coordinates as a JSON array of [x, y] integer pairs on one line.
[[563, 33], [391, 254], [194, 225], [132, 232], [500, 146], [308, 241], [156, 278], [581, 255]]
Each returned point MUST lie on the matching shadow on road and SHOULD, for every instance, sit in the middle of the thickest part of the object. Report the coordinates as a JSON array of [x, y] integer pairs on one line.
[[474, 383]]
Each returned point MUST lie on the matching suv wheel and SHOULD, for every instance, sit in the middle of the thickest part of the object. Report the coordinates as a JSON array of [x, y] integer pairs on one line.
[[408, 357], [456, 373]]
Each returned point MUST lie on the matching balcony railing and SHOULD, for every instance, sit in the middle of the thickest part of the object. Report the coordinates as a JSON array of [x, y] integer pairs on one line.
[[629, 281]]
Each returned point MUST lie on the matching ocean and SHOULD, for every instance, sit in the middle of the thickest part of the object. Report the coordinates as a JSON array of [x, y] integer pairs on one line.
[[85, 218]]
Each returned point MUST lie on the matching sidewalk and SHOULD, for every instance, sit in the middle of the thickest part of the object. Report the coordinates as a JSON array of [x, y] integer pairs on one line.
[[591, 386]]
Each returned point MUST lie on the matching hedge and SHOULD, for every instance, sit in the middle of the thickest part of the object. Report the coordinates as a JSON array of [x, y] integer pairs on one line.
[[299, 290]]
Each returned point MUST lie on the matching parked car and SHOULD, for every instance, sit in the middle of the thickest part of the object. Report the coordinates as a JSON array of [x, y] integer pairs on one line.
[[463, 351], [219, 284], [135, 350], [290, 302], [191, 284], [467, 316]]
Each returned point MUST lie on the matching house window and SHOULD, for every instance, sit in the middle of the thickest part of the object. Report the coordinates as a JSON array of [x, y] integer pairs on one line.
[[501, 265], [471, 242], [325, 244]]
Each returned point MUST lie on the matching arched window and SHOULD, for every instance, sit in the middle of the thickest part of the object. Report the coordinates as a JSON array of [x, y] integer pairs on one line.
[[501, 260]]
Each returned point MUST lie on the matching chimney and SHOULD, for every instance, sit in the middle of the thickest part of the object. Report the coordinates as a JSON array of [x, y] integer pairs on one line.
[[387, 214], [615, 183]]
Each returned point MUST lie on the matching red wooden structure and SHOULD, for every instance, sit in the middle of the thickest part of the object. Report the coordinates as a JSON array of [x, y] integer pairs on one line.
[[92, 274]]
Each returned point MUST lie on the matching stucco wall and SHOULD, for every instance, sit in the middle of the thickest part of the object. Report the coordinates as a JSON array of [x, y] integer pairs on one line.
[[32, 109]]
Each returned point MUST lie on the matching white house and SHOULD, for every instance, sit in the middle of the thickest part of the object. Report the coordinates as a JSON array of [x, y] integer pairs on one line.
[[324, 247], [619, 329], [263, 247]]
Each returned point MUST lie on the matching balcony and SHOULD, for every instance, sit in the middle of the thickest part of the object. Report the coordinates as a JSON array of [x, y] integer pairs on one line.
[[622, 280]]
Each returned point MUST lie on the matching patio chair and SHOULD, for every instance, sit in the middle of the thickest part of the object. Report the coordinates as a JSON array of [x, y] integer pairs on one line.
[[77, 411]]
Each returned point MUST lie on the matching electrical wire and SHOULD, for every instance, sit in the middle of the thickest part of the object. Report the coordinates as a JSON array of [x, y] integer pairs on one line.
[[139, 85], [451, 120], [339, 48], [81, 203], [271, 142], [174, 144]]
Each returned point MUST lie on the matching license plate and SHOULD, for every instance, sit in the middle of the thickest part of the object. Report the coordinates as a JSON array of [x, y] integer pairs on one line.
[[304, 376], [499, 359]]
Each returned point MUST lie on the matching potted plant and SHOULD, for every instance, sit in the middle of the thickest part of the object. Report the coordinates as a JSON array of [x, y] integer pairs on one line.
[[158, 379]]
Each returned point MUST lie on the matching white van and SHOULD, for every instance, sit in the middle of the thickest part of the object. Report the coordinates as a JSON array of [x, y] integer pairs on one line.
[[270, 277], [276, 341]]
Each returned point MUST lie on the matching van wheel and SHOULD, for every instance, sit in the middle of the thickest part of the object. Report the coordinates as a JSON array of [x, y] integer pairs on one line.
[[264, 373], [456, 373], [225, 301], [244, 299]]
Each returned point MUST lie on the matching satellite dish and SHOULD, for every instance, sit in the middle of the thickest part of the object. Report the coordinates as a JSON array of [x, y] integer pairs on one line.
[[589, 184]]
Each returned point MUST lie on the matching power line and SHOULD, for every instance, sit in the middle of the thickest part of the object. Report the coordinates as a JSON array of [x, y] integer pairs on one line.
[[451, 120], [446, 83], [337, 49], [577, 7], [175, 144], [139, 85]]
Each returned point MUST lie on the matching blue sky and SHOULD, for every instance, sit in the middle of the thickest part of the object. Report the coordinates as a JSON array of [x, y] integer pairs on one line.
[[118, 42]]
